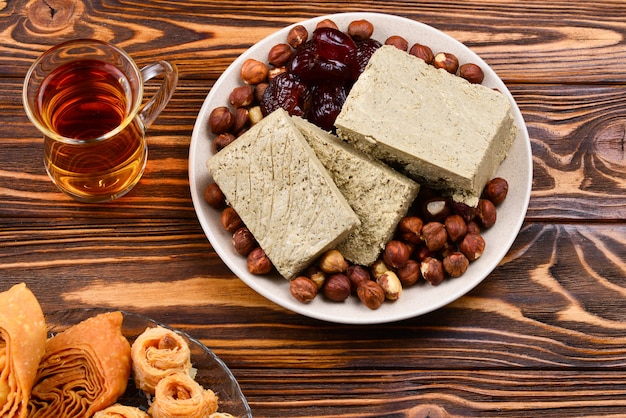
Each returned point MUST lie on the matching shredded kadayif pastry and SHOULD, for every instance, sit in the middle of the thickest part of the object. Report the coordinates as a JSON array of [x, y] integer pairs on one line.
[[121, 411], [156, 353], [85, 369], [22, 345], [179, 396]]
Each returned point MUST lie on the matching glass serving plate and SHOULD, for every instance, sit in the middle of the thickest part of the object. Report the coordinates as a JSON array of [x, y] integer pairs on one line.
[[415, 300], [212, 372]]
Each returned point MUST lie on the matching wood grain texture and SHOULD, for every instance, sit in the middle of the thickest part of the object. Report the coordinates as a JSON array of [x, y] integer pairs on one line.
[[543, 335]]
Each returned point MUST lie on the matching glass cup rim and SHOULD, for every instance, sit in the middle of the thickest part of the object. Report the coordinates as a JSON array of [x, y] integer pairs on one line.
[[64, 45]]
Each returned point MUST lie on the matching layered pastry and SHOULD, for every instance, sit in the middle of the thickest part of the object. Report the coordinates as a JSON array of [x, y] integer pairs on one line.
[[179, 396], [84, 370], [121, 411], [22, 345], [156, 353]]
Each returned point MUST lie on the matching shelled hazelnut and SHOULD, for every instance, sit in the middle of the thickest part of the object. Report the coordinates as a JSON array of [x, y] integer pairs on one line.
[[258, 262], [397, 41], [214, 197], [360, 30], [254, 71], [231, 220], [423, 52], [303, 289], [371, 294], [337, 287], [446, 61], [243, 241]]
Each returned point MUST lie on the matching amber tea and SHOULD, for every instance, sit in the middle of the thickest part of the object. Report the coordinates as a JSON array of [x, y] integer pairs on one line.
[[85, 100], [86, 97]]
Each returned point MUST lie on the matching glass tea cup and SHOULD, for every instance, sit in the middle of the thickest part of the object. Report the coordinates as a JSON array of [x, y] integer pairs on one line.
[[86, 97]]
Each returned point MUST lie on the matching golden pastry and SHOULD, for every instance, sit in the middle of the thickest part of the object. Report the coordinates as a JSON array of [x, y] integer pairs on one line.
[[179, 396], [156, 353], [121, 411], [85, 369], [22, 345]]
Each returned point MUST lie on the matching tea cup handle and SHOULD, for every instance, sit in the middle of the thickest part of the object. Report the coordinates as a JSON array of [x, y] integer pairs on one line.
[[155, 105]]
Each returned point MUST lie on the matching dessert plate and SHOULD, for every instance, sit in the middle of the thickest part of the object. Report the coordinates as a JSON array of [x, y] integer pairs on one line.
[[418, 299], [212, 373]]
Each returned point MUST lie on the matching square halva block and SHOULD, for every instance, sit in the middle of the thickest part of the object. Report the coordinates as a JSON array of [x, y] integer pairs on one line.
[[436, 127], [379, 195], [283, 194]]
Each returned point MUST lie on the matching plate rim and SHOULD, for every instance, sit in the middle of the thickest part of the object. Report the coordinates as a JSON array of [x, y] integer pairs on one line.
[[255, 282]]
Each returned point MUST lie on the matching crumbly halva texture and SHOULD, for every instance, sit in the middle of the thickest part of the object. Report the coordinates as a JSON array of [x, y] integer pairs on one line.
[[436, 127], [379, 195], [283, 194]]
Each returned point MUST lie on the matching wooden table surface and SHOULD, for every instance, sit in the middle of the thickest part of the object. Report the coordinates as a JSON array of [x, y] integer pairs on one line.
[[543, 335]]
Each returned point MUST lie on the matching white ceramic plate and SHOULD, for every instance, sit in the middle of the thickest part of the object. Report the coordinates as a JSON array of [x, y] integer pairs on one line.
[[212, 372], [415, 300]]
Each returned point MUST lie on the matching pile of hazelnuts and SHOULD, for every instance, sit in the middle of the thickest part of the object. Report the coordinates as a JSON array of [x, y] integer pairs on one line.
[[438, 238]]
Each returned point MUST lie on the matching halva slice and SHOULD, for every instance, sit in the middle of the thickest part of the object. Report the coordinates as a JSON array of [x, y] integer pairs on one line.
[[441, 130], [379, 195], [283, 194]]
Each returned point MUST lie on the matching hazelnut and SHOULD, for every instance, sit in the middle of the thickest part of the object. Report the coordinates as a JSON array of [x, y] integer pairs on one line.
[[391, 285], [396, 254], [446, 61], [398, 41], [423, 52], [243, 241], [455, 264], [241, 96], [357, 275], [297, 36], [231, 220], [432, 271], [326, 23], [371, 294], [241, 120], [487, 213], [332, 261], [220, 120], [274, 72], [378, 268], [337, 287], [466, 211], [455, 227], [472, 246], [496, 190], [303, 289], [214, 197], [221, 141], [436, 209], [434, 235], [473, 227], [258, 262], [279, 55], [255, 114], [410, 229], [472, 73], [259, 91], [317, 275], [360, 30], [409, 274], [423, 252], [253, 71]]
